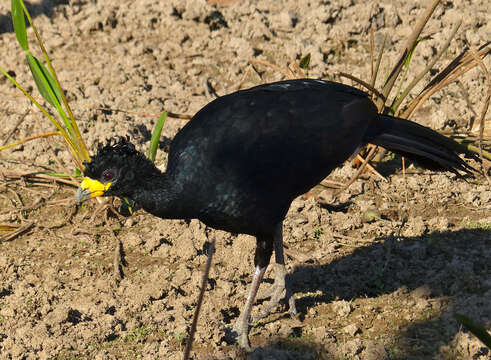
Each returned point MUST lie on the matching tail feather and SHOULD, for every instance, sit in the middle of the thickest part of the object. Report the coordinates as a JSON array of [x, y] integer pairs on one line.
[[420, 144]]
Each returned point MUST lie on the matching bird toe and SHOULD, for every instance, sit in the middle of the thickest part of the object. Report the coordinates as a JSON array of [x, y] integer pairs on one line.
[[266, 294], [238, 334]]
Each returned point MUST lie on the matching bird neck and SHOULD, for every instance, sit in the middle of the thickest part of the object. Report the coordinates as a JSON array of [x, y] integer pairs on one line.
[[158, 196]]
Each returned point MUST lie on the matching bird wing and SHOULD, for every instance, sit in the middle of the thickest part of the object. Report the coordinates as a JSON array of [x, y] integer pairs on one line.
[[280, 132]]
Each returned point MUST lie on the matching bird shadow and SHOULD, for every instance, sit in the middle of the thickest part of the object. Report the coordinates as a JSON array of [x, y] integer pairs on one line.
[[438, 274], [45, 7]]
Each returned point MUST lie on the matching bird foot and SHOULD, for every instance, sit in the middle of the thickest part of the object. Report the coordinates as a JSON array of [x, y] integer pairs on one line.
[[269, 292], [239, 334], [280, 289], [276, 292]]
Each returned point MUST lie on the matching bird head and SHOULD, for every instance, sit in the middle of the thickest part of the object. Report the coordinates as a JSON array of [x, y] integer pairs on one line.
[[113, 171]]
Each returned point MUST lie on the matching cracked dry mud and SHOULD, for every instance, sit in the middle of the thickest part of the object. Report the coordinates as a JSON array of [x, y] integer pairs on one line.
[[365, 290]]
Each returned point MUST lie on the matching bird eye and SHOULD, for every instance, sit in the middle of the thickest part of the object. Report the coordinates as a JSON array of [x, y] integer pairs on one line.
[[108, 176]]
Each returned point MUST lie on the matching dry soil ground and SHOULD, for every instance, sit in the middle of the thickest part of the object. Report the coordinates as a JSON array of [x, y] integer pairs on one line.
[[384, 289]]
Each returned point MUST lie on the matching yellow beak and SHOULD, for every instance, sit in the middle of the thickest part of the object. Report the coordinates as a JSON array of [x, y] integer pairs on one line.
[[90, 188]]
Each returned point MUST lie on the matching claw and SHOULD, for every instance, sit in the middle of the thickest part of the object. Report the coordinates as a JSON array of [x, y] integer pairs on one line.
[[241, 331], [239, 335], [280, 289], [266, 294]]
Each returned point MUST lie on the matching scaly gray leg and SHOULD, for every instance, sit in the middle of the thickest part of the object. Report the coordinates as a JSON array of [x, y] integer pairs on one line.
[[264, 250], [281, 286], [241, 326]]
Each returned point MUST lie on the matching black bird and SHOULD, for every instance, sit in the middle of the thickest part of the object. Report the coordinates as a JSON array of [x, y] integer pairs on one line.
[[243, 158]]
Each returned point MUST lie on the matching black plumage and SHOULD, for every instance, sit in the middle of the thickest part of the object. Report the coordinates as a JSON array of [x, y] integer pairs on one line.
[[242, 159]]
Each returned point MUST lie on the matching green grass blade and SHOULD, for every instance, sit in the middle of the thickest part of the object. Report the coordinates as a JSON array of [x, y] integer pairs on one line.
[[80, 148], [477, 330], [47, 87], [19, 22], [305, 62], [426, 70], [55, 122], [44, 80], [29, 139], [407, 63], [57, 174], [34, 101], [411, 52], [154, 142], [8, 227]]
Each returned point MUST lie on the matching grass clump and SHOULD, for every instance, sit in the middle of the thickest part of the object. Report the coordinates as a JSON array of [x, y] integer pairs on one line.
[[48, 86], [51, 91]]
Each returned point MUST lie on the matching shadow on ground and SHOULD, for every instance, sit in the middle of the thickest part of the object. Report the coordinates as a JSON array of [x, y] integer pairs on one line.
[[433, 276], [45, 7]]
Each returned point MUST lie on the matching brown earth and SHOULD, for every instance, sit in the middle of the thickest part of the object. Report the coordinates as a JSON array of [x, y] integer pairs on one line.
[[365, 290]]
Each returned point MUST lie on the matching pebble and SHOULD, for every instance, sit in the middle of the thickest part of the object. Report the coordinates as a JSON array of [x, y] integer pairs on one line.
[[351, 329]]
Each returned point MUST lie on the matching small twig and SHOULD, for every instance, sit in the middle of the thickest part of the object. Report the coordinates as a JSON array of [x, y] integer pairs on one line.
[[118, 249], [292, 74], [369, 157], [457, 67], [27, 188], [299, 72], [17, 197], [49, 185], [118, 259], [331, 184], [68, 218], [377, 65], [298, 256], [466, 137], [461, 60], [204, 280], [242, 80], [169, 114], [33, 176], [258, 73], [372, 169], [404, 177], [412, 40], [347, 244], [417, 102], [4, 147], [16, 126], [372, 72], [428, 67], [20, 230], [467, 101], [287, 74], [210, 90], [363, 83], [55, 158], [484, 109], [67, 201], [35, 205], [350, 238], [8, 227], [104, 204]]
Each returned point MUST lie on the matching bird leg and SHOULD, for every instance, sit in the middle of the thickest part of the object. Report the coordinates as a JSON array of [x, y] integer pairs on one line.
[[241, 326], [264, 250], [281, 286]]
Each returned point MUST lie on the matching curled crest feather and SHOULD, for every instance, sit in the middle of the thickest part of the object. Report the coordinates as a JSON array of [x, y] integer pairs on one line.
[[120, 144], [117, 151]]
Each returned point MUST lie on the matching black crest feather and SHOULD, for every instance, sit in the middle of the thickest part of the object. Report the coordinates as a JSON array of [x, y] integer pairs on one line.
[[114, 150], [118, 144], [117, 152]]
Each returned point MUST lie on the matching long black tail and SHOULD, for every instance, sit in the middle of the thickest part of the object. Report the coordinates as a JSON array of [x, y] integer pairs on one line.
[[420, 144]]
